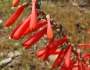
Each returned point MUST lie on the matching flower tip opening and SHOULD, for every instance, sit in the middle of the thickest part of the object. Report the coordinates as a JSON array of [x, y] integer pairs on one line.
[[34, 0], [78, 50], [47, 16]]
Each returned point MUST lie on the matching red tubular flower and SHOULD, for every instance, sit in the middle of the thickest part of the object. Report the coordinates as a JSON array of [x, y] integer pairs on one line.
[[15, 3], [52, 47], [15, 16], [75, 65], [85, 65], [34, 19], [84, 45], [75, 68], [49, 29], [20, 31], [88, 67], [68, 57], [13, 32], [34, 38], [59, 56], [86, 56], [80, 67], [57, 43], [72, 62], [42, 52], [45, 56], [57, 51], [27, 47], [59, 59], [47, 51], [40, 24], [64, 68], [70, 66]]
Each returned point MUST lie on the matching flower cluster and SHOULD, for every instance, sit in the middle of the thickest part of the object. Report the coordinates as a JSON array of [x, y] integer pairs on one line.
[[68, 57]]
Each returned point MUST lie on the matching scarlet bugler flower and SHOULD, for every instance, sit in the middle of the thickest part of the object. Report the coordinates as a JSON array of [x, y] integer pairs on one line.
[[56, 44], [15, 3], [88, 67], [49, 29], [84, 45], [13, 32], [34, 19], [68, 57], [72, 62], [45, 56], [42, 52], [15, 16], [33, 39], [47, 51], [80, 67], [40, 24], [75, 68], [22, 28], [85, 65], [52, 47], [59, 59], [64, 68], [86, 56]]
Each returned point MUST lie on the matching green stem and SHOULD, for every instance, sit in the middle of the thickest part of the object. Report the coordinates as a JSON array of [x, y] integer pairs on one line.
[[21, 48]]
